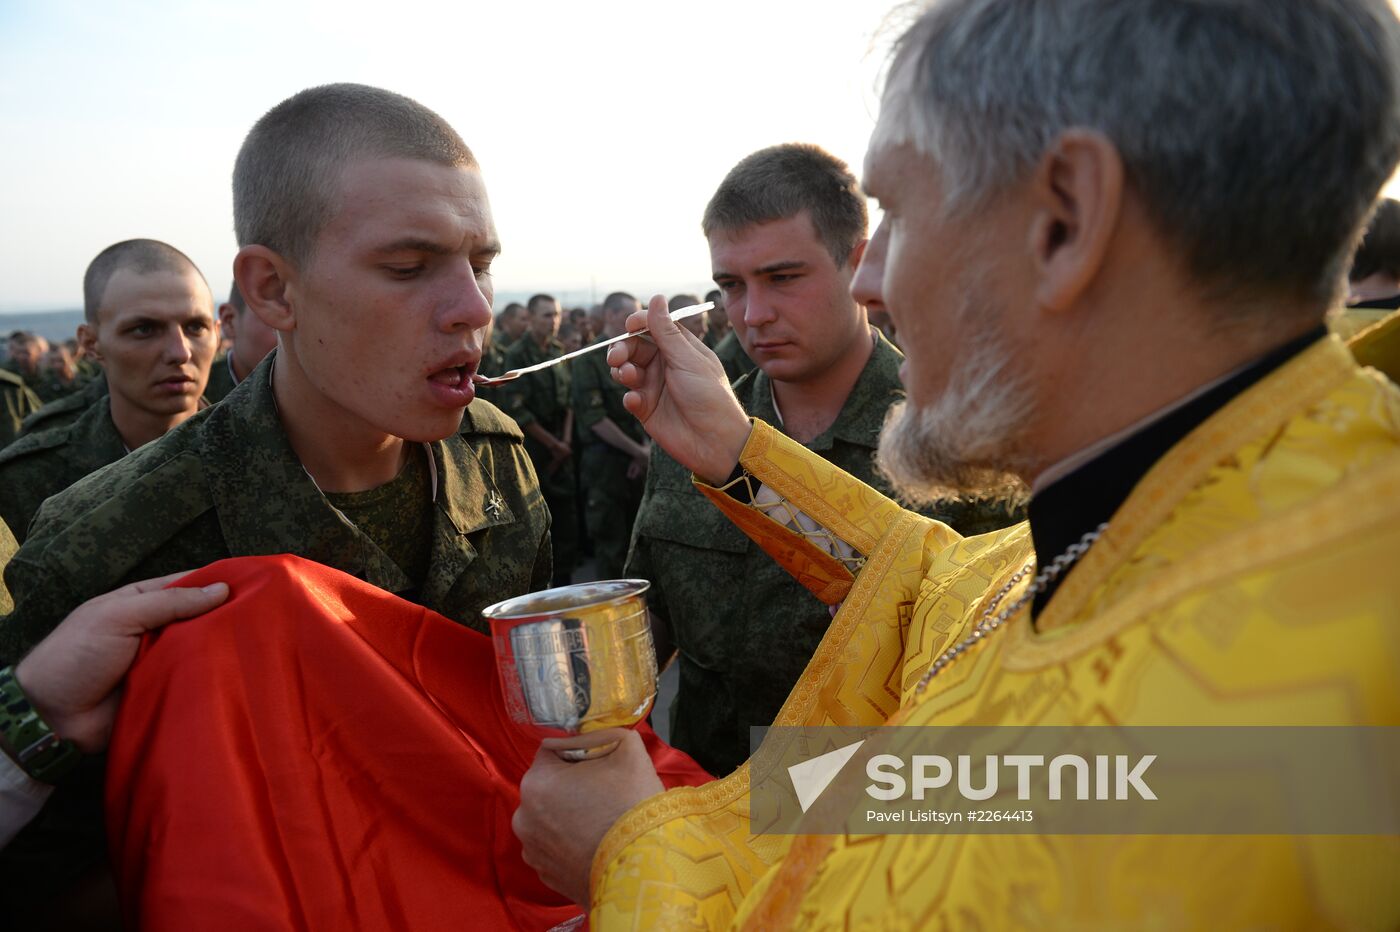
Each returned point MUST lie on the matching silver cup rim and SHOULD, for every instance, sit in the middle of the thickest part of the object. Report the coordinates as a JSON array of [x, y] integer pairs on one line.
[[551, 603]]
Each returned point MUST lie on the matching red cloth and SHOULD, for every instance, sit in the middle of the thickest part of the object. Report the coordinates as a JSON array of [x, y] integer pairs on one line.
[[317, 754]]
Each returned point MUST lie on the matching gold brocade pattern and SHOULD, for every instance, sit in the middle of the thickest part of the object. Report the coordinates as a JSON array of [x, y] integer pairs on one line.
[[1248, 580], [1378, 346]]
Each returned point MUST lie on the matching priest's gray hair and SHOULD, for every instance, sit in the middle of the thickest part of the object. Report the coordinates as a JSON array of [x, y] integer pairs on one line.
[[1257, 133]]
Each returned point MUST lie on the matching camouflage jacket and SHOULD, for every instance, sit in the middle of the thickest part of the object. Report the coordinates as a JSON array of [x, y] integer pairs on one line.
[[227, 483], [46, 462], [221, 379], [597, 396], [17, 402], [67, 409], [541, 396], [732, 356], [743, 627], [493, 359]]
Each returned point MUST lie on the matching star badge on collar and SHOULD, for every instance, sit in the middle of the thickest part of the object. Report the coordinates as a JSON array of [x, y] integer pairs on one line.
[[495, 505]]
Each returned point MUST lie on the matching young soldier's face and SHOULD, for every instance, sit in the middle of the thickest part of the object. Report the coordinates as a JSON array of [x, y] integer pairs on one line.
[[786, 297], [155, 337], [544, 320], [392, 306]]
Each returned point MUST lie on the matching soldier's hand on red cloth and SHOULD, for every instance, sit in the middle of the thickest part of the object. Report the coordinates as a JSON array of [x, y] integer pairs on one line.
[[567, 807], [680, 394], [72, 676]]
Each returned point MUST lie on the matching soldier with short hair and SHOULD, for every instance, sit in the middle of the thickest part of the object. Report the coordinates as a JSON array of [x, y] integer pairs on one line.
[[250, 340], [786, 229], [148, 319], [540, 404], [366, 241]]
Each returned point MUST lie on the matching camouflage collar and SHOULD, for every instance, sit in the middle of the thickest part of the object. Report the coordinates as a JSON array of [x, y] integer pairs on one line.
[[247, 457], [863, 414]]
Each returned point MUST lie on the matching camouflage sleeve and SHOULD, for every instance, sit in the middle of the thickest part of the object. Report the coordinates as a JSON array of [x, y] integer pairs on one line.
[[587, 394], [639, 561], [41, 600], [640, 565], [543, 572]]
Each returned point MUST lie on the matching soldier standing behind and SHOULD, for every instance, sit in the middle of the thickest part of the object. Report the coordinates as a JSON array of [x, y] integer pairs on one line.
[[249, 341], [786, 229], [614, 461], [509, 326], [149, 320], [366, 242], [539, 402]]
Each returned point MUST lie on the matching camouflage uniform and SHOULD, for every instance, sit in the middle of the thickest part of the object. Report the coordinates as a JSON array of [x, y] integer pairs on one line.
[[610, 498], [16, 403], [68, 409], [543, 398], [221, 379], [227, 483], [743, 627], [46, 462], [732, 356]]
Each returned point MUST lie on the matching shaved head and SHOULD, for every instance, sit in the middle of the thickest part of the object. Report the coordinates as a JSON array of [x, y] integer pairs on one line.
[[287, 177], [142, 256]]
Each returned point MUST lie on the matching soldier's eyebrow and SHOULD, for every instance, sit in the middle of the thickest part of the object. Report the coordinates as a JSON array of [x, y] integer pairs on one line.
[[487, 250], [786, 265], [138, 321], [417, 244]]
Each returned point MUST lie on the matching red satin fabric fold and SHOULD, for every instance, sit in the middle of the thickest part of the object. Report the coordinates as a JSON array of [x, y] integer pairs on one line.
[[316, 754]]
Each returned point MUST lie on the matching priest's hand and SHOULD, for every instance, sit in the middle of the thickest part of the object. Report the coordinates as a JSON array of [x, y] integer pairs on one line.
[[72, 676], [566, 808], [680, 394]]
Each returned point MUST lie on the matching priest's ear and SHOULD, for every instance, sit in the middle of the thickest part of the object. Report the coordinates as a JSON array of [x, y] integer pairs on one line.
[[263, 277], [1078, 192]]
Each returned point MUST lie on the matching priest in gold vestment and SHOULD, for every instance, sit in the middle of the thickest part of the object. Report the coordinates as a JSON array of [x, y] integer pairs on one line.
[[1073, 195]]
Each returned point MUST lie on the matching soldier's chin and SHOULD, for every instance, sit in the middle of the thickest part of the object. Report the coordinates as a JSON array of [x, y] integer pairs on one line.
[[429, 431]]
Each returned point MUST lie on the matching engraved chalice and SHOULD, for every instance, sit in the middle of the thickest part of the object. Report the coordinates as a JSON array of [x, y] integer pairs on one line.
[[576, 659]]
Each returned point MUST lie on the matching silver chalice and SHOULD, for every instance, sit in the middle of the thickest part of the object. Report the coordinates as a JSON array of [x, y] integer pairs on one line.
[[576, 659]]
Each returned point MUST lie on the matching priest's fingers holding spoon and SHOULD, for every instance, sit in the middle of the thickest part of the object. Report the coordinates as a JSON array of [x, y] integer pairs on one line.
[[679, 392]]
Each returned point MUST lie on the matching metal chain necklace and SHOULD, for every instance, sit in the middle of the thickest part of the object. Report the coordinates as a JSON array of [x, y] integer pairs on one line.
[[990, 622]]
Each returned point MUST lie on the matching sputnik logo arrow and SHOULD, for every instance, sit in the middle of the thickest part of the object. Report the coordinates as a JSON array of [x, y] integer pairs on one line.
[[811, 778]]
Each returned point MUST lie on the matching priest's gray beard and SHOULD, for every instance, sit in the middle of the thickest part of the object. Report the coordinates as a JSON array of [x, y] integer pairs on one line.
[[968, 442]]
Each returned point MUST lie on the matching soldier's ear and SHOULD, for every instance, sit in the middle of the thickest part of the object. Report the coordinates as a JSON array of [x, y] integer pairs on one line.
[[263, 277]]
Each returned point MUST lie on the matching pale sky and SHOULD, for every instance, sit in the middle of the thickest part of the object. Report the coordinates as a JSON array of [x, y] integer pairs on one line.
[[602, 128]]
